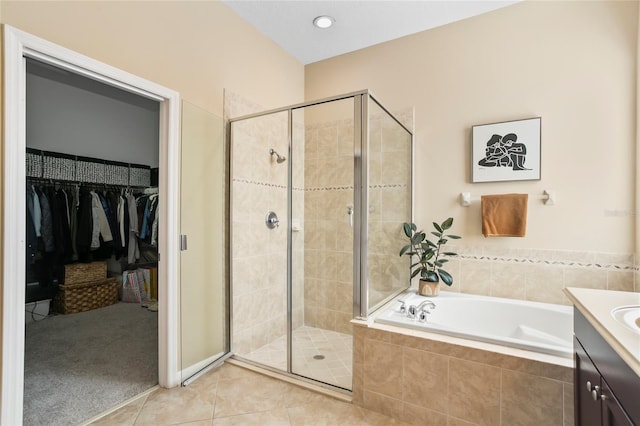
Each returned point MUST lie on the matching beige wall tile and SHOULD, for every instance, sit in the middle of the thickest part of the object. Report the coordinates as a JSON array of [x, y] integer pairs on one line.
[[585, 278], [475, 277], [620, 280], [420, 416], [383, 369], [508, 280], [474, 392], [544, 283], [426, 379], [568, 404], [530, 400], [383, 404], [452, 421]]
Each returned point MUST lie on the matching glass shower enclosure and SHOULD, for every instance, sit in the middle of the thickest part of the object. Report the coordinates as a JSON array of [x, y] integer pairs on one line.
[[318, 195]]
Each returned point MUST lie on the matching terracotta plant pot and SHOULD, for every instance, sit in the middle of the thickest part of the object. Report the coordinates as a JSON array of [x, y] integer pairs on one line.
[[428, 288]]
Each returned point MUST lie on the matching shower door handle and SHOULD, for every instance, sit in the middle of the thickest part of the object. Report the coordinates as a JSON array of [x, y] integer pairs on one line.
[[183, 242], [350, 213]]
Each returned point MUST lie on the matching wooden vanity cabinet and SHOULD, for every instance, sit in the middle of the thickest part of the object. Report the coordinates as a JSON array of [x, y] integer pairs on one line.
[[606, 390]]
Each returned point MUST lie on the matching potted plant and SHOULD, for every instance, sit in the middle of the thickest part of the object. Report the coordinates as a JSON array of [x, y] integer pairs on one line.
[[430, 256]]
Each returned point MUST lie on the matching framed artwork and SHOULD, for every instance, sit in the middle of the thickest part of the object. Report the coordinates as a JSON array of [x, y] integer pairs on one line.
[[506, 151]]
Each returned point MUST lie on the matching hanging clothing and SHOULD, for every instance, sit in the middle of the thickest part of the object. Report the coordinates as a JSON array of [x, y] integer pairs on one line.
[[100, 223], [134, 250], [84, 233], [32, 238], [36, 212], [73, 223], [46, 228]]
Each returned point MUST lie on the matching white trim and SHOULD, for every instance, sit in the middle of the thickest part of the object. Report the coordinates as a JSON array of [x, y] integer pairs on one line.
[[17, 46]]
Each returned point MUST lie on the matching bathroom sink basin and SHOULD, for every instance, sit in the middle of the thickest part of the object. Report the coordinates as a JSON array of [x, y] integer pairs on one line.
[[628, 316]]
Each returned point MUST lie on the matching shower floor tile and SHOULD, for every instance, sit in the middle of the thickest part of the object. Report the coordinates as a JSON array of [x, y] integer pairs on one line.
[[318, 354]]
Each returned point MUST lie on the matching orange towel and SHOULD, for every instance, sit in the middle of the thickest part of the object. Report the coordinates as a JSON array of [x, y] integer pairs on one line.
[[504, 215]]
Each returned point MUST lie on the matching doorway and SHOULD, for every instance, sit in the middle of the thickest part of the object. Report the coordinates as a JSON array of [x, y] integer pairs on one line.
[[87, 141], [18, 47]]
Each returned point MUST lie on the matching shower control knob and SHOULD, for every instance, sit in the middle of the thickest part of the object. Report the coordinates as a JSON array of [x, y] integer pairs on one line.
[[272, 220]]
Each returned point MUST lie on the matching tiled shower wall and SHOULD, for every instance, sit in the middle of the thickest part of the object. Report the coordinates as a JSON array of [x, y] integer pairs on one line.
[[329, 194], [328, 258]]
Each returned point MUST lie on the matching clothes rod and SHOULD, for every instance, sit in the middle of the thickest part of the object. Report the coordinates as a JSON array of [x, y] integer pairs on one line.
[[548, 197]]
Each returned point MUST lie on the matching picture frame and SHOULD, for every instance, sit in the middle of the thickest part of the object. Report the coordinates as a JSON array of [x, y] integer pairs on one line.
[[506, 151]]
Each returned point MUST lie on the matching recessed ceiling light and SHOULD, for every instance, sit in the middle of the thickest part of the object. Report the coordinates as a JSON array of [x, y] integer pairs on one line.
[[323, 21]]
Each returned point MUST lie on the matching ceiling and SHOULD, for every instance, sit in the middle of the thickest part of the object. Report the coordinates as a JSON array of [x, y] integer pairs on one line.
[[358, 23]]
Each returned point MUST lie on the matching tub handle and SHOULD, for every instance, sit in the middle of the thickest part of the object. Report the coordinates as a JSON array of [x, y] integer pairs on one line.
[[403, 307], [422, 316]]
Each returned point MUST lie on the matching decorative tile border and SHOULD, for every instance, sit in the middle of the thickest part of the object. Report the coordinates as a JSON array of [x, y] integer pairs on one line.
[[328, 188], [553, 262]]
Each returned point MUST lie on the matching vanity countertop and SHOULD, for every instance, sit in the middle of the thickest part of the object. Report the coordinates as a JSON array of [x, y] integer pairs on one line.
[[597, 307]]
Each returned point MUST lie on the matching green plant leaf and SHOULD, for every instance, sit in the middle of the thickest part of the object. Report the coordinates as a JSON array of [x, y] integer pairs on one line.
[[417, 238], [404, 249], [435, 225], [432, 276], [416, 272], [447, 223], [454, 237], [413, 226], [437, 234], [449, 253], [431, 244], [442, 241], [407, 229], [441, 261], [446, 278]]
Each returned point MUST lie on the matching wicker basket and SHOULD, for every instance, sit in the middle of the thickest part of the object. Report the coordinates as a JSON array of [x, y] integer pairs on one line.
[[76, 273], [73, 298]]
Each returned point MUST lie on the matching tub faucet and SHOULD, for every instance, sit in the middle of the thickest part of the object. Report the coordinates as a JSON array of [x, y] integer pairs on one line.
[[421, 311]]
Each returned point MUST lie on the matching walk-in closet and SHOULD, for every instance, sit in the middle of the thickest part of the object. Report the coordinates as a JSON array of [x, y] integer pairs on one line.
[[91, 312]]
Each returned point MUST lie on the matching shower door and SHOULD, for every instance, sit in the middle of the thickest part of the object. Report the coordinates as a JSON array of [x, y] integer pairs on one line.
[[322, 225], [259, 187], [319, 192]]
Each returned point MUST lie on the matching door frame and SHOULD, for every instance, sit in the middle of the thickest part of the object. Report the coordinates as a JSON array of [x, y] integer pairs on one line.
[[18, 45]]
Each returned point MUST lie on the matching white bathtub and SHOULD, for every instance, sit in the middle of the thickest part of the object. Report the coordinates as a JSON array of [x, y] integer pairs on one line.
[[539, 327]]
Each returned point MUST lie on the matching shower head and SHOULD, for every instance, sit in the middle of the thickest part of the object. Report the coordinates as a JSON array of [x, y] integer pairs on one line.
[[279, 158]]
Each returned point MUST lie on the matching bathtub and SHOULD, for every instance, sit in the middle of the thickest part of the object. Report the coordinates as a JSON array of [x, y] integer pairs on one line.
[[539, 327]]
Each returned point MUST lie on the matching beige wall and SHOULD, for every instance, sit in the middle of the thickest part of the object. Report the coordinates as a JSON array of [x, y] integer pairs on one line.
[[572, 63], [196, 48]]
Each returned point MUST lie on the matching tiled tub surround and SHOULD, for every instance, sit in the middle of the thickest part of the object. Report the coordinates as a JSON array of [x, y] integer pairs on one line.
[[427, 379]]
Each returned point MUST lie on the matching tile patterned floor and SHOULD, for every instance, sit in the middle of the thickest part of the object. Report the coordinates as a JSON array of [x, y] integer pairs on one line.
[[309, 343], [232, 395]]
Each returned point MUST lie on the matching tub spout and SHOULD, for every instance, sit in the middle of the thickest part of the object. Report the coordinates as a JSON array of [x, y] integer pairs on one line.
[[427, 303]]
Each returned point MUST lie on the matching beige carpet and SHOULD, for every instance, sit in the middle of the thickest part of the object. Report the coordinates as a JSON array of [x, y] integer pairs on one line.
[[79, 365]]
